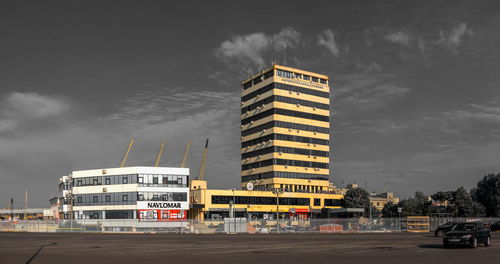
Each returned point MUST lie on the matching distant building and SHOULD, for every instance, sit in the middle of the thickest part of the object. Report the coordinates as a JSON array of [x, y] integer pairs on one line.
[[378, 201]]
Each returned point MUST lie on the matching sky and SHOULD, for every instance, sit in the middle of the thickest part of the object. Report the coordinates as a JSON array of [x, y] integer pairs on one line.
[[415, 96]]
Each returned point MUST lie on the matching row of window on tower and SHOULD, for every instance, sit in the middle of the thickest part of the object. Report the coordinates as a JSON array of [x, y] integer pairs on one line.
[[284, 74], [283, 124], [288, 150], [285, 162], [283, 99], [286, 87], [283, 174], [285, 112], [284, 137]]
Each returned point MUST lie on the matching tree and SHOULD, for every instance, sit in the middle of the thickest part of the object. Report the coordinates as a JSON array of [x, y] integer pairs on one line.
[[478, 209], [419, 205], [487, 193], [462, 203], [357, 198], [443, 196], [390, 210]]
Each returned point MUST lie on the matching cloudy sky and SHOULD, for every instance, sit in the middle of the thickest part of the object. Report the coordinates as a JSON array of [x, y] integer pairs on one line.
[[416, 96]]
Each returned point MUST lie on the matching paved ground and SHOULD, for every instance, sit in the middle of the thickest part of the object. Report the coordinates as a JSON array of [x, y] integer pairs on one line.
[[385, 248]]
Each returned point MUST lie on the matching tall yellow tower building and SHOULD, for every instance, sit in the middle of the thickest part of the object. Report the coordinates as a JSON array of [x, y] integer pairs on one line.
[[285, 136], [285, 130]]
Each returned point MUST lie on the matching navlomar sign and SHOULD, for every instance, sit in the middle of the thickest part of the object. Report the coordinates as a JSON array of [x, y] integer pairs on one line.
[[162, 205]]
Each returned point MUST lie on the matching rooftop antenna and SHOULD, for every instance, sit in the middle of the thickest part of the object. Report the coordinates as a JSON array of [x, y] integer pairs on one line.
[[160, 152], [284, 53], [125, 156]]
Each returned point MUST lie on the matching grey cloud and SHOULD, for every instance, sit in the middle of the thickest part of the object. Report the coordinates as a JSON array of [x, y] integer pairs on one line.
[[327, 40], [378, 126], [454, 38], [399, 37], [367, 91], [251, 47], [21, 108]]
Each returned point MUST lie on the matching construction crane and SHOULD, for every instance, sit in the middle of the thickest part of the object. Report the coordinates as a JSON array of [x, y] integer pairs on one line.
[[160, 152], [384, 190], [203, 162], [185, 156], [125, 157]]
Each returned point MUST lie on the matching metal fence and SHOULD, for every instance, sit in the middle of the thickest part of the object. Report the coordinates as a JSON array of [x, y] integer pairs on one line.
[[236, 225]]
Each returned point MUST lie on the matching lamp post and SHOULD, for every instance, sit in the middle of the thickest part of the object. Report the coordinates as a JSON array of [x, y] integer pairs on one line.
[[277, 192], [71, 198]]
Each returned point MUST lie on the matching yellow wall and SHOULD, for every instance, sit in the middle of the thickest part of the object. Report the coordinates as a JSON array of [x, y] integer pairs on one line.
[[204, 197]]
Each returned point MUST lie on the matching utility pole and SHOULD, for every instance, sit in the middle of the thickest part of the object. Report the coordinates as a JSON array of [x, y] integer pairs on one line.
[[71, 198], [370, 204], [12, 209], [277, 192]]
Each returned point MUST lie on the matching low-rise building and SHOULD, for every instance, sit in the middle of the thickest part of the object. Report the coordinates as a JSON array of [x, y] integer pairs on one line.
[[260, 203], [149, 194], [378, 201]]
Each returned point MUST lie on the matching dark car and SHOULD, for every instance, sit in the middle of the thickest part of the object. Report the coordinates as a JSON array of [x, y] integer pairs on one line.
[[495, 226], [441, 229], [467, 234]]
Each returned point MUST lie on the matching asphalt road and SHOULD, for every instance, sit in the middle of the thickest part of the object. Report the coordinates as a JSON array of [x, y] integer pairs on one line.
[[384, 248]]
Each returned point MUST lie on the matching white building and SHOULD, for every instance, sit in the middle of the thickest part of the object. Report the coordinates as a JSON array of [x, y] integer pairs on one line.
[[147, 194]]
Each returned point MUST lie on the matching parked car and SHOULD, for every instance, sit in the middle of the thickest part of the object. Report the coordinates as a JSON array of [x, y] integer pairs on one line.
[[441, 229], [467, 234], [495, 226]]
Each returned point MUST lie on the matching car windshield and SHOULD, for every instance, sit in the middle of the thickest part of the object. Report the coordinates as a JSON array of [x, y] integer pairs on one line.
[[464, 227]]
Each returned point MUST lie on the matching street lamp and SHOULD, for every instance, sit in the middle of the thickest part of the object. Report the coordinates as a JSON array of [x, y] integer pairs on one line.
[[71, 198], [277, 192]]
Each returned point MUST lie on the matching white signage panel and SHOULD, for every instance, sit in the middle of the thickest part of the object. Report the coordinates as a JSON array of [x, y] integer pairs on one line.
[[162, 205]]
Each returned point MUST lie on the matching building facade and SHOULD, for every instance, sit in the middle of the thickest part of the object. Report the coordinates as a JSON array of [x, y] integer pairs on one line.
[[142, 193], [285, 137], [285, 130], [214, 204]]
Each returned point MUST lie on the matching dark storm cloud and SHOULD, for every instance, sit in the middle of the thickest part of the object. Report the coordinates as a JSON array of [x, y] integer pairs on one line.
[[414, 86]]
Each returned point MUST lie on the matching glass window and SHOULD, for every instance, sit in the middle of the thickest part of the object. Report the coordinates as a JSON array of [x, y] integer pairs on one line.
[[155, 180], [155, 197], [108, 198], [79, 199], [107, 181], [306, 77], [125, 198], [140, 179], [314, 79], [323, 81], [95, 199], [125, 180], [79, 183]]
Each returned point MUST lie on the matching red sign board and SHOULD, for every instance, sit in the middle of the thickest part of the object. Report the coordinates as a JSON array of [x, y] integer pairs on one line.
[[161, 215]]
